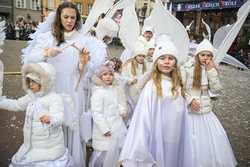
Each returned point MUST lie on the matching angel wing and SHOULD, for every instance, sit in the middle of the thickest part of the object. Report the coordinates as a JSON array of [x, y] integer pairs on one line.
[[2, 32], [169, 26], [44, 26], [99, 7], [221, 34], [188, 27], [208, 30], [231, 35], [228, 59], [2, 38], [129, 25]]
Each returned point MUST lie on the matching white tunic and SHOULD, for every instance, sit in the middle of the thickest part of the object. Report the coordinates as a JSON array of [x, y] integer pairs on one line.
[[66, 64], [41, 142], [155, 136], [209, 145]]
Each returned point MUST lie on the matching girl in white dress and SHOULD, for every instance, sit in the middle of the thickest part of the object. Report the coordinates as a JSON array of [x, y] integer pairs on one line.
[[43, 144], [108, 106], [64, 48], [156, 133], [210, 146]]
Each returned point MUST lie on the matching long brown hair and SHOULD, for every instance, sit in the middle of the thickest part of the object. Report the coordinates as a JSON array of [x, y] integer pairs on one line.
[[197, 73], [58, 29], [175, 76]]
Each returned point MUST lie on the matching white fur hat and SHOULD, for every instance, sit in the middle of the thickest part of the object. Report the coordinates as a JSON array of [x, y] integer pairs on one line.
[[205, 45], [34, 76], [151, 44], [165, 46], [106, 26], [147, 28], [42, 73], [140, 49]]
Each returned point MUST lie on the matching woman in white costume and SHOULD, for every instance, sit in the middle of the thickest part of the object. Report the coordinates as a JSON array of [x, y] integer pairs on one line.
[[156, 133], [43, 144], [109, 107], [210, 146], [64, 47]]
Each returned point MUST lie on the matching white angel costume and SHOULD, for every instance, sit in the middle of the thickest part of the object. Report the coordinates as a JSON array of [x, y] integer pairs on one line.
[[210, 146], [43, 144], [129, 53], [66, 64], [108, 102], [156, 133], [132, 89]]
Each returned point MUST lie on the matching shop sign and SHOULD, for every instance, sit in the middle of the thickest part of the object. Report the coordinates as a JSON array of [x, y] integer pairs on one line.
[[208, 5]]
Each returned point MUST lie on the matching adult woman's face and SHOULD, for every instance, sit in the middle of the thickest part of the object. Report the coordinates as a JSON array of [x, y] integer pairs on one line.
[[68, 19], [166, 63]]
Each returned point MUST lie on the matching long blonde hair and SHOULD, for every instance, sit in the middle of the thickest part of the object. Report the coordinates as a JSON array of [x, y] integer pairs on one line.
[[134, 66], [197, 73], [175, 76]]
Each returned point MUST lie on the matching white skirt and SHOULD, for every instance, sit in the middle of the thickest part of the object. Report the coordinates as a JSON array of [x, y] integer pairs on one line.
[[64, 161], [210, 146]]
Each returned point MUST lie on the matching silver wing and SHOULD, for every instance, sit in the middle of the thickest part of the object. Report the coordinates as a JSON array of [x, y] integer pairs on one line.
[[129, 25], [2, 32], [231, 35], [2, 38], [99, 7], [228, 59], [170, 26], [208, 30]]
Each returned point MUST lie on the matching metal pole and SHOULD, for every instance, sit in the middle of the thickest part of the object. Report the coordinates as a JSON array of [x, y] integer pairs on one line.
[[42, 10], [12, 73]]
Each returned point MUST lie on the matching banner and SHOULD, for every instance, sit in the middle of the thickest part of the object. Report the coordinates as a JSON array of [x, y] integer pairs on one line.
[[207, 5]]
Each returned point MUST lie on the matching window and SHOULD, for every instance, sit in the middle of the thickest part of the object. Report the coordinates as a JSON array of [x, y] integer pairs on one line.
[[35, 4], [50, 4], [89, 7], [21, 3], [79, 7]]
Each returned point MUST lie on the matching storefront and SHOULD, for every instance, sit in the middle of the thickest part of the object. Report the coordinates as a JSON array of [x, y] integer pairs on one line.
[[215, 12]]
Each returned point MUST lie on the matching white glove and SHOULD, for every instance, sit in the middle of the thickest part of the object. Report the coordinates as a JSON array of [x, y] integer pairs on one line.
[[52, 52]]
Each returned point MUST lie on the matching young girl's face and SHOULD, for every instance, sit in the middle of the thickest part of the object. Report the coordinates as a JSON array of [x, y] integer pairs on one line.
[[166, 63], [68, 19], [34, 86], [205, 57], [140, 58], [107, 78]]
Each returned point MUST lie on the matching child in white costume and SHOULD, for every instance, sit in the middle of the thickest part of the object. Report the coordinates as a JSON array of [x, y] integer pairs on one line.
[[155, 136], [210, 146], [108, 105], [133, 70], [43, 144]]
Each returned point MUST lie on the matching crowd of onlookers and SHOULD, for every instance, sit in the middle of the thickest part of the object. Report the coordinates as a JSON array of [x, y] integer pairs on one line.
[[21, 29]]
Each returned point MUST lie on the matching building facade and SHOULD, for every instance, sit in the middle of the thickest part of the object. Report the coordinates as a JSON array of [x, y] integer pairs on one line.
[[38, 9], [6, 10]]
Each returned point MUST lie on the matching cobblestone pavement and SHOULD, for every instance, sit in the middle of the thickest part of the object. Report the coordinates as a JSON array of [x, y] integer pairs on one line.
[[232, 108]]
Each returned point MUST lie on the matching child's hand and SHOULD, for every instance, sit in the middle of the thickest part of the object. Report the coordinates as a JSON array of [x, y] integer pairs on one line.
[[195, 105], [210, 64], [52, 52], [107, 134], [133, 82], [45, 119]]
